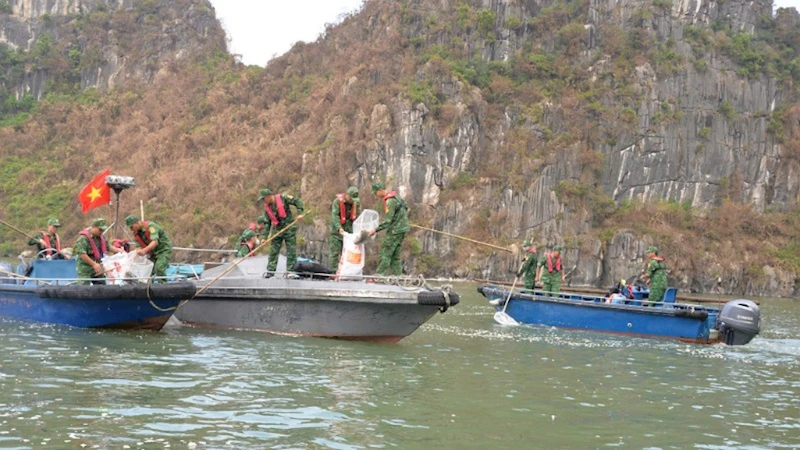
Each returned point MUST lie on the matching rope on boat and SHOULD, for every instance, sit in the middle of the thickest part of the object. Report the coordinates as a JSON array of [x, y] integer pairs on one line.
[[153, 304]]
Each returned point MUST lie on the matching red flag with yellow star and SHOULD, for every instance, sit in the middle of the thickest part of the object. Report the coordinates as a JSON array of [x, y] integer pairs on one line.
[[96, 193]]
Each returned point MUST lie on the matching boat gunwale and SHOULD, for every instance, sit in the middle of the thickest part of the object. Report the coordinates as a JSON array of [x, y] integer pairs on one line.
[[657, 308]]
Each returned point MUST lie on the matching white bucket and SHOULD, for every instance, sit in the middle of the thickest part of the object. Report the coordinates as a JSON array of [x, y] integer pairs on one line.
[[368, 220]]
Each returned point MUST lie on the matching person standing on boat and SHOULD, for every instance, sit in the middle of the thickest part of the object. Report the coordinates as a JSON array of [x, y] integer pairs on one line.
[[247, 243], [530, 265], [655, 275], [48, 240], [153, 242], [550, 271], [395, 222], [344, 211], [90, 249], [279, 216]]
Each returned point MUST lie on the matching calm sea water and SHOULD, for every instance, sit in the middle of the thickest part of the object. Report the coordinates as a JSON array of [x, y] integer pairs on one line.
[[459, 382]]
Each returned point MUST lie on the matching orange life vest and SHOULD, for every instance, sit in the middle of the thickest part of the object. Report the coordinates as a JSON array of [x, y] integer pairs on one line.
[[391, 194], [97, 253], [343, 210], [48, 245], [143, 242], [550, 262], [279, 206]]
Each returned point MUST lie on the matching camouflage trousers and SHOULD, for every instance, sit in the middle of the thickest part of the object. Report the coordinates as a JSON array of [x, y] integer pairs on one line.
[[551, 282], [85, 271], [530, 280], [335, 251], [160, 264], [657, 291], [390, 261], [289, 237]]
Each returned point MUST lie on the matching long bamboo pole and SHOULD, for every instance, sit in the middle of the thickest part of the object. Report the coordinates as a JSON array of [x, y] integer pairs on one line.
[[16, 229], [505, 249]]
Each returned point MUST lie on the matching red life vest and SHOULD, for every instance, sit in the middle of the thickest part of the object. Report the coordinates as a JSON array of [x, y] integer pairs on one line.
[[279, 206], [391, 194], [97, 253], [550, 262], [143, 242], [47, 244], [343, 210], [657, 258]]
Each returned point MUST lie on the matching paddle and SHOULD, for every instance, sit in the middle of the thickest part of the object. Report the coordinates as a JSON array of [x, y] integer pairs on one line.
[[22, 276], [500, 316], [16, 229]]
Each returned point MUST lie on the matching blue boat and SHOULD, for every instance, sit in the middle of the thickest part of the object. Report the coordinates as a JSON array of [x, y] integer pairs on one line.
[[736, 323], [46, 293]]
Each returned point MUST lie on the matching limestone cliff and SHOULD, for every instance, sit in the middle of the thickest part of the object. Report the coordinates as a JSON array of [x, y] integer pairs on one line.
[[100, 43]]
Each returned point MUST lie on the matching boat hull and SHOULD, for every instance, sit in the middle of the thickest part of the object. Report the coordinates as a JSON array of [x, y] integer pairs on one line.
[[351, 320], [239, 298], [686, 323], [24, 303]]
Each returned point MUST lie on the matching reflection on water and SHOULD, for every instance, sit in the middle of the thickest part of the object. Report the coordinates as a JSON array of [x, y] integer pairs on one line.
[[459, 382]]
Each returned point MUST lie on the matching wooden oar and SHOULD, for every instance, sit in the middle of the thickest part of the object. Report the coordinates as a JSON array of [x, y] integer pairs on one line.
[[496, 247], [16, 229], [22, 276], [253, 251]]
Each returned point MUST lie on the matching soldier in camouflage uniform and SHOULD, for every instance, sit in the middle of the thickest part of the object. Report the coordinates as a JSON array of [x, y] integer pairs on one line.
[[247, 243], [279, 216], [344, 211], [530, 265], [656, 275], [90, 248], [153, 242], [46, 241], [395, 223], [550, 270]]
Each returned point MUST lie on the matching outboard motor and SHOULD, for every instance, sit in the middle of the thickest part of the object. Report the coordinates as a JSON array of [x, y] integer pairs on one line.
[[739, 322]]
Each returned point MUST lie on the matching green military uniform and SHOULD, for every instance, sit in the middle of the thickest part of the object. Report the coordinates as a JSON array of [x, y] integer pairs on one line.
[[529, 266], [336, 242], [551, 281], [395, 223], [84, 247], [243, 250], [52, 238], [162, 253], [657, 271], [289, 237]]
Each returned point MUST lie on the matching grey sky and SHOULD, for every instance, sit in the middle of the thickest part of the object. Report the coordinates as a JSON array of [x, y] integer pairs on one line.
[[261, 29]]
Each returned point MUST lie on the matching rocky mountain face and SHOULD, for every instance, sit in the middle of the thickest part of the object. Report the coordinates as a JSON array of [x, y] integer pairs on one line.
[[601, 126], [101, 43], [694, 129]]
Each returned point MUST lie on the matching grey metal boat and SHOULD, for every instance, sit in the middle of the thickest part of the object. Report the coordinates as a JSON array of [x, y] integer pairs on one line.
[[384, 311]]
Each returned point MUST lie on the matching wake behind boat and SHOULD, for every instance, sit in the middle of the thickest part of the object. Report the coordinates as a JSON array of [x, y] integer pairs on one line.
[[48, 294], [314, 305], [736, 323]]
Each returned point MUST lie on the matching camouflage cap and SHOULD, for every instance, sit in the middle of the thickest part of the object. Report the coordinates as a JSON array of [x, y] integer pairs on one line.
[[652, 249], [352, 192], [262, 219], [248, 234], [100, 223], [527, 243], [130, 220], [378, 186], [262, 194], [558, 248], [54, 222]]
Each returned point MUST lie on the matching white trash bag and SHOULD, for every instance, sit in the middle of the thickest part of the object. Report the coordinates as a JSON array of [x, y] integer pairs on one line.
[[351, 263], [368, 220], [115, 267], [141, 266]]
